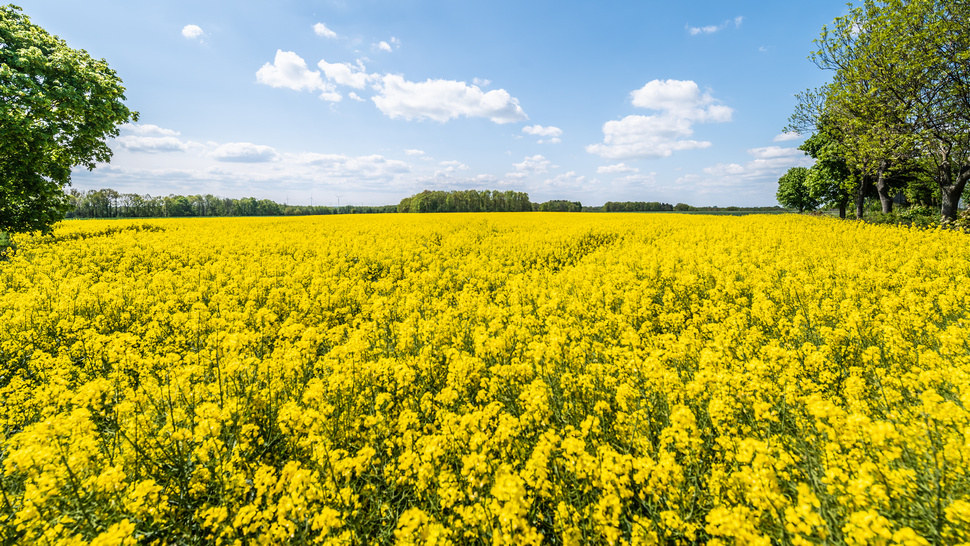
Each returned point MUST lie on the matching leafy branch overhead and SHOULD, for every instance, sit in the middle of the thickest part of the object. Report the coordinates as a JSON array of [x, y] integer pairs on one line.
[[58, 107]]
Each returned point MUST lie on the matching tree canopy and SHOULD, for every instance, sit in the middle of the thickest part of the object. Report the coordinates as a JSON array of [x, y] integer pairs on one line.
[[899, 100], [57, 108], [793, 192]]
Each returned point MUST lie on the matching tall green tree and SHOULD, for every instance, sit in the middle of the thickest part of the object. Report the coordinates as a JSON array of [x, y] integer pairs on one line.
[[829, 181], [793, 192], [901, 91], [57, 108], [873, 120]]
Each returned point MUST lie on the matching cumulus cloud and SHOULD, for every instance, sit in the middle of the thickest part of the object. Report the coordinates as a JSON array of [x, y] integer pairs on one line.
[[535, 164], [451, 167], [711, 29], [759, 174], [785, 137], [434, 99], [386, 46], [414, 152], [192, 32], [151, 144], [368, 167], [289, 70], [347, 74], [680, 104], [618, 168], [566, 181], [481, 82], [442, 100], [244, 152], [772, 152], [147, 129], [149, 138], [645, 136], [550, 133], [722, 169], [681, 99], [321, 30]]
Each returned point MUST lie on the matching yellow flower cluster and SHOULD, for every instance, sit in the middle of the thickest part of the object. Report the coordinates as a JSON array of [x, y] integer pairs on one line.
[[485, 378]]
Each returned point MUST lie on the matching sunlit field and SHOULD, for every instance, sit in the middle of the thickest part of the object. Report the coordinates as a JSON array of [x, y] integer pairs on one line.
[[485, 378]]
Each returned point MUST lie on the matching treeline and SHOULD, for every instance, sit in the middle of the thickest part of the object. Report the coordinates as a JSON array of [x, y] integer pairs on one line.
[[559, 205], [108, 203], [466, 201], [642, 206]]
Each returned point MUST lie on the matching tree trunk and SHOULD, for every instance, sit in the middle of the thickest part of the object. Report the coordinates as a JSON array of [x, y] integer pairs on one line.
[[882, 187], [842, 207], [950, 198], [860, 196], [950, 194]]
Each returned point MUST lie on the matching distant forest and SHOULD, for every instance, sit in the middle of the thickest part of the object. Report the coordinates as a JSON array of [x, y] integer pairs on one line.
[[108, 203]]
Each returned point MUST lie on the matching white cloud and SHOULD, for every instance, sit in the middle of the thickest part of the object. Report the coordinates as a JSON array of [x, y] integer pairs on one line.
[[193, 32], [743, 182], [151, 144], [772, 152], [680, 99], [785, 137], [551, 133], [347, 74], [711, 29], [149, 138], [387, 46], [616, 169], [321, 30], [290, 71], [481, 82], [448, 168], [414, 152], [438, 99], [535, 164], [244, 152], [566, 181], [722, 169], [147, 129], [368, 167], [680, 105], [645, 136], [454, 164], [442, 100]]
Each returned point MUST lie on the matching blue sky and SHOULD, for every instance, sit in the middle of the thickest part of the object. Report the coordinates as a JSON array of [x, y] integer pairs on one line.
[[368, 101]]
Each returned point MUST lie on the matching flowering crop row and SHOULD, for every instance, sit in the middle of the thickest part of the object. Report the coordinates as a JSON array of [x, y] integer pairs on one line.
[[505, 379]]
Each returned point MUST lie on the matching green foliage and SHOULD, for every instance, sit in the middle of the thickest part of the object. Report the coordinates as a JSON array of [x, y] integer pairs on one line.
[[636, 206], [466, 201], [793, 192], [57, 107], [108, 203], [6, 245], [898, 98], [561, 205], [830, 182], [915, 216]]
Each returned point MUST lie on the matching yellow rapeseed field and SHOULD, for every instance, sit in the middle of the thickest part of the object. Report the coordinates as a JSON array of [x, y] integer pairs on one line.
[[485, 379]]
